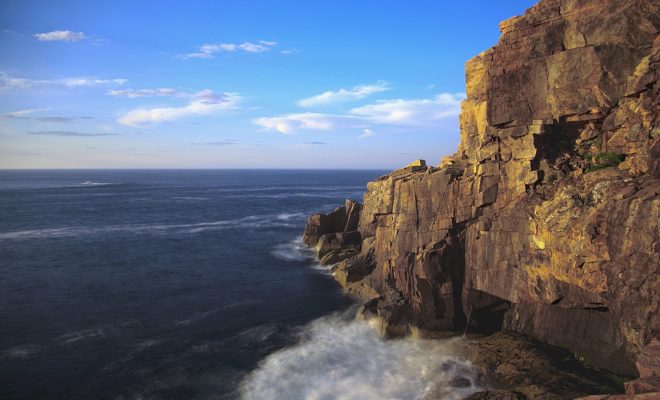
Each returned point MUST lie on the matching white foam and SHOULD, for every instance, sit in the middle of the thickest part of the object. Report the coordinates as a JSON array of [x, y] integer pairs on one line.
[[91, 183], [339, 359], [294, 250], [250, 222], [197, 317], [21, 352], [98, 332], [288, 216]]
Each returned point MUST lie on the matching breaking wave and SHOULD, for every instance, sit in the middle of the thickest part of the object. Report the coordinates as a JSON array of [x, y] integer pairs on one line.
[[91, 183], [341, 359], [294, 250]]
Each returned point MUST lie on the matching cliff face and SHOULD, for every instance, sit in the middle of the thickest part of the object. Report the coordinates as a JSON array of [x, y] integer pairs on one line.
[[545, 221]]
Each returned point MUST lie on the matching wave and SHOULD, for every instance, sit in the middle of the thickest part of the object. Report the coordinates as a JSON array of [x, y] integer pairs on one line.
[[206, 314], [91, 183], [98, 332], [324, 195], [21, 352], [249, 222], [191, 198], [340, 359], [294, 250]]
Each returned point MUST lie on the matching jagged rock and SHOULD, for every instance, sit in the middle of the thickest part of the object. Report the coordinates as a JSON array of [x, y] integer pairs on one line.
[[338, 241], [354, 269], [335, 256], [342, 219], [521, 228]]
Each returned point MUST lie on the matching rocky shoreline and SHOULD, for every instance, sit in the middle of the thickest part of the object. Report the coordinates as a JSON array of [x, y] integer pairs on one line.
[[544, 224]]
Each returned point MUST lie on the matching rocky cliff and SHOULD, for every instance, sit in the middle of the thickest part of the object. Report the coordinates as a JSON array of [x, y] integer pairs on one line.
[[546, 220]]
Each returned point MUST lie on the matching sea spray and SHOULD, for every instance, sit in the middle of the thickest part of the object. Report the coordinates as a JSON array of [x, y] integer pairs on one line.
[[342, 358]]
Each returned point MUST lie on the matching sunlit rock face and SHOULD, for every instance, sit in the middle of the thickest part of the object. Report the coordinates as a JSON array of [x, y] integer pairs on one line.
[[545, 221]]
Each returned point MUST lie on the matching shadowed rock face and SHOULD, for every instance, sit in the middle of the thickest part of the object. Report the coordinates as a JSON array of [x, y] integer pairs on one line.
[[526, 228]]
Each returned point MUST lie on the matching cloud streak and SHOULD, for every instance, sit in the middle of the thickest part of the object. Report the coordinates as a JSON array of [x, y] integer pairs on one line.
[[291, 123], [21, 114], [209, 50], [344, 95], [411, 112], [407, 113], [205, 102], [60, 36], [69, 133], [8, 82]]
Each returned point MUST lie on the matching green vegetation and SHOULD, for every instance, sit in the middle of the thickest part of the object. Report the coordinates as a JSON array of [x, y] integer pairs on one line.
[[602, 160]]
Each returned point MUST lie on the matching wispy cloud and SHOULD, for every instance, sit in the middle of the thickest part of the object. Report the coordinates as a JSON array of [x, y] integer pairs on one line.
[[315, 143], [21, 114], [209, 50], [290, 123], [290, 51], [387, 113], [28, 115], [60, 120], [69, 133], [205, 102], [344, 95], [411, 111], [366, 132], [8, 82], [61, 36], [206, 94], [159, 92], [228, 142]]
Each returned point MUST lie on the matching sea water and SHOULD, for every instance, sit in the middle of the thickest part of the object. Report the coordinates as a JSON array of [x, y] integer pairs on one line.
[[129, 284]]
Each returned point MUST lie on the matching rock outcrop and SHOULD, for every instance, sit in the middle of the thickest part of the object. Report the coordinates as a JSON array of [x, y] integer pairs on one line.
[[546, 220]]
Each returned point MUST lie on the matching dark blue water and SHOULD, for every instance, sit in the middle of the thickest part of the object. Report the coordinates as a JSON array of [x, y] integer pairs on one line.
[[156, 284]]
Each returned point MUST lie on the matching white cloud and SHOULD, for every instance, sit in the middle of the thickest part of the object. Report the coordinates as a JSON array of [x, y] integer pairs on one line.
[[8, 82], [209, 50], [60, 36], [82, 82], [366, 132], [290, 51], [205, 102], [411, 111], [159, 92], [289, 123], [344, 95], [21, 114], [407, 113]]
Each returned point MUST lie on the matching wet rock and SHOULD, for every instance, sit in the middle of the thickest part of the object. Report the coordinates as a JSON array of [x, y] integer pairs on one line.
[[354, 269]]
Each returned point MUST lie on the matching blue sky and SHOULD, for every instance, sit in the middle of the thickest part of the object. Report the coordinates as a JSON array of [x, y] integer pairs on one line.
[[236, 84]]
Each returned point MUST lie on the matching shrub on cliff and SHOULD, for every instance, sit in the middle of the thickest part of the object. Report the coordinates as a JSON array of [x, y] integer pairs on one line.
[[602, 160]]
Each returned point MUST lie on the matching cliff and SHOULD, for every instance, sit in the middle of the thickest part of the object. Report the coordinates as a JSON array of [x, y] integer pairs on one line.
[[545, 221]]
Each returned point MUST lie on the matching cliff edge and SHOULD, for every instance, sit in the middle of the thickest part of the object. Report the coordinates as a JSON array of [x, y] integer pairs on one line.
[[546, 220]]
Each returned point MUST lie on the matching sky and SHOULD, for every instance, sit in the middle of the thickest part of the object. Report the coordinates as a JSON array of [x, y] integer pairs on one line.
[[325, 84]]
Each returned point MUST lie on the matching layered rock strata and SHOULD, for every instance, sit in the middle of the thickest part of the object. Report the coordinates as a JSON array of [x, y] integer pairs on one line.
[[545, 221]]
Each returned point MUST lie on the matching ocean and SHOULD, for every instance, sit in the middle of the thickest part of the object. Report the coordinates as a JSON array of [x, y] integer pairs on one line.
[[189, 284]]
